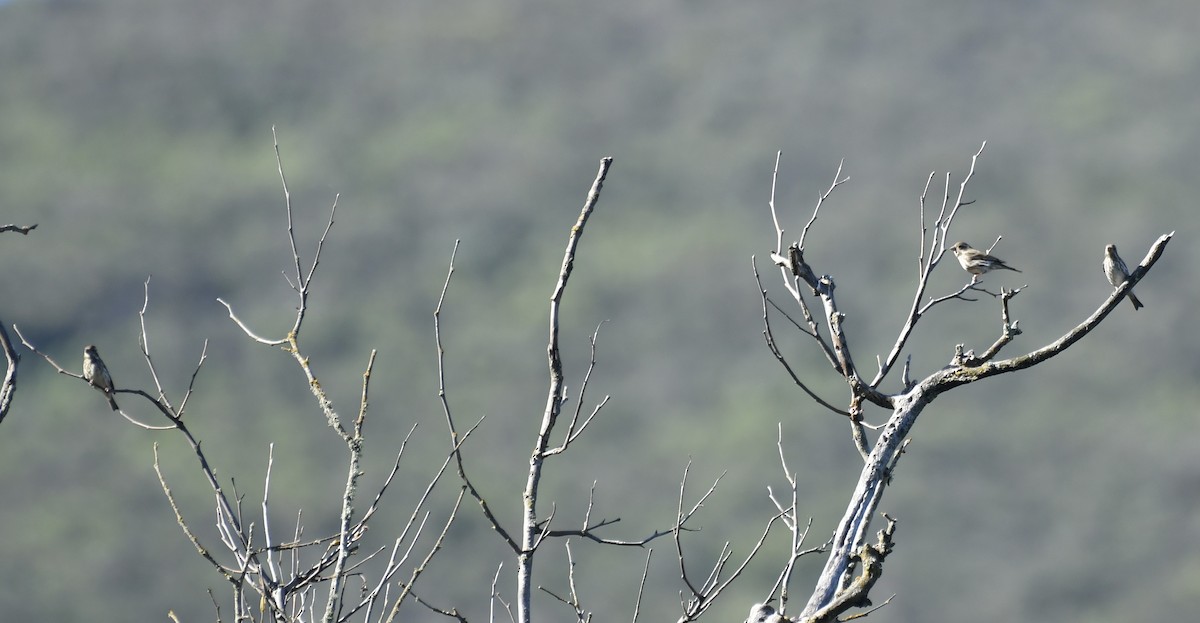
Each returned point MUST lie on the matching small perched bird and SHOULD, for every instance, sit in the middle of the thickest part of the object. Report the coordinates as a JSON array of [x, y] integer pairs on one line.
[[977, 262], [96, 373], [763, 613], [1117, 272]]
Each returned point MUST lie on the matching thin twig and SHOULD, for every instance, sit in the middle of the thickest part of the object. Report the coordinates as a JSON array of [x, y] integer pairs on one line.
[[937, 250], [637, 604], [838, 180], [444, 398]]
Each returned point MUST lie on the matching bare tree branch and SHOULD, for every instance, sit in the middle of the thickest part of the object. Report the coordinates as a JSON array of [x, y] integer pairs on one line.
[[637, 604], [574, 428], [444, 398], [790, 514], [8, 387], [791, 260], [937, 249], [769, 336], [966, 374], [870, 560], [17, 228], [837, 590], [353, 472], [530, 530]]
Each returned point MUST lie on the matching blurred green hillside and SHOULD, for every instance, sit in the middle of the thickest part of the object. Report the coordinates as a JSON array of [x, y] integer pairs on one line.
[[137, 134]]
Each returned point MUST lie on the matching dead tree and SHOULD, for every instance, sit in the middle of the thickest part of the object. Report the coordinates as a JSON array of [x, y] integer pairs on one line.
[[855, 564]]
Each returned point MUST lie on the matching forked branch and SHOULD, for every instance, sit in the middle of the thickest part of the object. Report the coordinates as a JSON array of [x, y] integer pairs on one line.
[[839, 588]]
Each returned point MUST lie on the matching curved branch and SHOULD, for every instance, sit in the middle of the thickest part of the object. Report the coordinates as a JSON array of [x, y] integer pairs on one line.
[[951, 377]]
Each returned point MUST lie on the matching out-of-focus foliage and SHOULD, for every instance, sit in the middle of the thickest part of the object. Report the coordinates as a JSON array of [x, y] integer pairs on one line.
[[138, 135]]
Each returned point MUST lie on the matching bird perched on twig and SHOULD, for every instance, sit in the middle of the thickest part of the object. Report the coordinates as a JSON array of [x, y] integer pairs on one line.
[[96, 373], [1118, 273], [977, 262]]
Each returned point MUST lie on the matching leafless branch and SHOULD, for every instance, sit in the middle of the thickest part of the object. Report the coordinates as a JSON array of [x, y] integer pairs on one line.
[[19, 229], [769, 336], [864, 613], [530, 530], [191, 536], [637, 604], [789, 513], [701, 598], [495, 596], [444, 398], [144, 345], [420, 568], [791, 260], [268, 542], [8, 387], [452, 613], [301, 286], [354, 446], [937, 249], [837, 589], [954, 376], [574, 428], [838, 180], [854, 594], [573, 601]]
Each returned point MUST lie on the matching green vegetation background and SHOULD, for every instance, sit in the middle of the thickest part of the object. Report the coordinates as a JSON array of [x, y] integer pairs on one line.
[[137, 134]]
